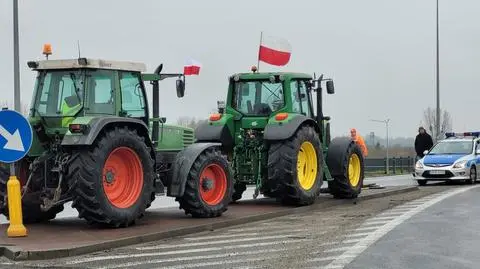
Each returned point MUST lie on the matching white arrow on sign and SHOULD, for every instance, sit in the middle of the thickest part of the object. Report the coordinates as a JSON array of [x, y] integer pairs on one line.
[[14, 141]]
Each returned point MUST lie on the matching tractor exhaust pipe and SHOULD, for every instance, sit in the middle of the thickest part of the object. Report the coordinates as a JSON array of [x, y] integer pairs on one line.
[[155, 105]]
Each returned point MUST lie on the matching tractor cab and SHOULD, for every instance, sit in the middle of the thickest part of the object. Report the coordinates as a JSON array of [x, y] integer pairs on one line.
[[257, 99]]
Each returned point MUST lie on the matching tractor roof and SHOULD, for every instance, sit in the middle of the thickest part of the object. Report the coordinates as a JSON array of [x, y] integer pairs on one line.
[[266, 75], [87, 63]]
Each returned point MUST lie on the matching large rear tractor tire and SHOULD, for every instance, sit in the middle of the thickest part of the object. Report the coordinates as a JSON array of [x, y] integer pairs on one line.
[[113, 180], [31, 211], [345, 161], [296, 167], [209, 186]]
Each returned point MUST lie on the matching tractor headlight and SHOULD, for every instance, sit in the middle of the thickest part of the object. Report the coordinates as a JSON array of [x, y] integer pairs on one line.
[[418, 165], [460, 164]]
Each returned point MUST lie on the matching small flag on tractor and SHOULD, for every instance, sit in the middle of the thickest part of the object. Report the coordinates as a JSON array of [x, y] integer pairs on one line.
[[274, 50], [191, 68]]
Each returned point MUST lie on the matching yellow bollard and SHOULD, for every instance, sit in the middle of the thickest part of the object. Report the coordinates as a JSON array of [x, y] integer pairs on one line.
[[16, 227]]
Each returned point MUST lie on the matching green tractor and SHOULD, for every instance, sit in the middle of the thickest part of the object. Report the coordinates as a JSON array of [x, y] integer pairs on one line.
[[273, 139], [95, 144]]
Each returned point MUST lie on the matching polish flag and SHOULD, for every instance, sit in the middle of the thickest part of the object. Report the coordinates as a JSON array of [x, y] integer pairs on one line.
[[192, 67], [274, 50]]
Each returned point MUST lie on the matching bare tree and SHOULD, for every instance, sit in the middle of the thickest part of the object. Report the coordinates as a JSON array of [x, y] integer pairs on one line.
[[429, 119], [190, 122]]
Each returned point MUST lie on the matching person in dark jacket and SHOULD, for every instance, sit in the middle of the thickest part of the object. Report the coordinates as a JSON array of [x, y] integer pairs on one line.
[[423, 142]]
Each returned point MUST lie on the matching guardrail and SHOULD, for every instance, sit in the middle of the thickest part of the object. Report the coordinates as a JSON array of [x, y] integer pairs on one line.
[[397, 165]]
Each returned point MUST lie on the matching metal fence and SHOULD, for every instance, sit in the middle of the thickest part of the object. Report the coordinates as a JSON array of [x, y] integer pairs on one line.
[[397, 165]]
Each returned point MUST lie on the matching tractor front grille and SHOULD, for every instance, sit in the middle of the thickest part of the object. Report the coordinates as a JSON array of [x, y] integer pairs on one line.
[[188, 138]]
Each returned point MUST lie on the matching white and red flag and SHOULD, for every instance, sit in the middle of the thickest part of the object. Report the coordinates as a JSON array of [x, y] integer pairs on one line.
[[192, 67], [274, 50]]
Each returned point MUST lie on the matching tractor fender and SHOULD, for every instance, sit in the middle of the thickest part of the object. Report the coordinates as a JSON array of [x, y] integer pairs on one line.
[[182, 165], [285, 130], [205, 132], [336, 154], [96, 125]]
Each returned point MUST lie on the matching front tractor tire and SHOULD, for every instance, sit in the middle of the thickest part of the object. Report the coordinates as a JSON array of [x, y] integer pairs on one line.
[[113, 180], [295, 167], [345, 161], [209, 186]]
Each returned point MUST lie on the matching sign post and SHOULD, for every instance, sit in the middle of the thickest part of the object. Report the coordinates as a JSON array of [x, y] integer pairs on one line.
[[15, 142]]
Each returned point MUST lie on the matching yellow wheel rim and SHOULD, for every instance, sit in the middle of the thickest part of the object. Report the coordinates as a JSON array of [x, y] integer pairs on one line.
[[307, 165], [354, 170]]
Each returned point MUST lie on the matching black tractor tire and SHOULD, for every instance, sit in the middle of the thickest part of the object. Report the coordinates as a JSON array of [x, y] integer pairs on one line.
[[283, 157], [210, 174], [238, 189], [422, 182], [31, 212], [338, 161], [95, 171]]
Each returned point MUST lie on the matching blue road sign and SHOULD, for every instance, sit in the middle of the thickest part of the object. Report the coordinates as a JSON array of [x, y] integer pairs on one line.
[[15, 136]]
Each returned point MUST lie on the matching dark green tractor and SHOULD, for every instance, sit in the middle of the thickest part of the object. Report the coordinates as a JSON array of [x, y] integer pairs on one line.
[[273, 139], [95, 144]]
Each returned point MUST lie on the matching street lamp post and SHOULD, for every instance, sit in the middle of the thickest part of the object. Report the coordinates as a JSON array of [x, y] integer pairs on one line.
[[388, 142], [16, 65], [437, 119]]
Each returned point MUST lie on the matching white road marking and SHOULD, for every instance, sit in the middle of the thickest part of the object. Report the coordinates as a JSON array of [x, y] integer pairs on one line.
[[344, 259], [358, 234], [269, 228], [193, 258], [230, 241], [375, 223], [350, 241], [322, 259], [382, 218], [219, 236], [187, 251], [203, 264], [364, 229], [339, 249]]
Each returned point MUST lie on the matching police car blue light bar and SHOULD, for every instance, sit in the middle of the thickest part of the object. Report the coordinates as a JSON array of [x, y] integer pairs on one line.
[[452, 134]]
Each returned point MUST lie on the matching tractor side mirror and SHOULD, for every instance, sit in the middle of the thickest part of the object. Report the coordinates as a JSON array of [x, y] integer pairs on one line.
[[221, 106], [163, 120], [180, 88], [425, 152], [330, 87], [477, 151]]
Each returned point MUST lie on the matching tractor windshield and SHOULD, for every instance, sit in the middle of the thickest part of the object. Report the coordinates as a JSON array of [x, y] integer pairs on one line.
[[60, 93], [257, 98]]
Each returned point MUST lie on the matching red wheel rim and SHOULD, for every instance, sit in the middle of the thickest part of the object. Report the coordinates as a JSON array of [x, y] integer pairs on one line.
[[122, 177], [213, 184]]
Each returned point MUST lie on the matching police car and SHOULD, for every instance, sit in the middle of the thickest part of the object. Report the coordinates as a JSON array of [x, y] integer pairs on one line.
[[455, 158]]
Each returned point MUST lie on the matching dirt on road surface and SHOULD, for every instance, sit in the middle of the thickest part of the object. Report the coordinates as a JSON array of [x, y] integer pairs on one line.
[[294, 241]]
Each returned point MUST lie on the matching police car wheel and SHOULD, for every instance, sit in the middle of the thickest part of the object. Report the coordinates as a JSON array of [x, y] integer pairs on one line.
[[422, 182], [473, 175]]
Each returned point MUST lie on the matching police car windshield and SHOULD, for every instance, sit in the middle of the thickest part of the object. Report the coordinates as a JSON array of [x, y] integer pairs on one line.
[[452, 147]]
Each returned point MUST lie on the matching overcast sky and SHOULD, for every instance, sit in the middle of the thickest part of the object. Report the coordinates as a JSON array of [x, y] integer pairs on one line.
[[373, 49]]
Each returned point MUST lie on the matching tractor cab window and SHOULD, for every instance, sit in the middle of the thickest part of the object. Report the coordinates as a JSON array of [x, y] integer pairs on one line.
[[59, 93], [133, 99], [101, 94], [299, 95], [258, 98]]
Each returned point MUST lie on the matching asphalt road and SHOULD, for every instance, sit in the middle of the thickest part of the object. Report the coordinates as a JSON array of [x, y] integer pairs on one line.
[[164, 202], [443, 236], [316, 239]]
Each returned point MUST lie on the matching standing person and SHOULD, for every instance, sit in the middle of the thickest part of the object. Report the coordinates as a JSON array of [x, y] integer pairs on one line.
[[423, 142], [359, 140]]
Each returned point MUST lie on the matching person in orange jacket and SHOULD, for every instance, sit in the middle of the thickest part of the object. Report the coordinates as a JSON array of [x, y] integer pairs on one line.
[[359, 140]]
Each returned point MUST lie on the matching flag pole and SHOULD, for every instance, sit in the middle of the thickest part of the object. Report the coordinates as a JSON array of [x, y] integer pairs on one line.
[[258, 62]]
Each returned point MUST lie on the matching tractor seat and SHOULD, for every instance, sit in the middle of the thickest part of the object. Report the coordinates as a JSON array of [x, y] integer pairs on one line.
[[262, 109]]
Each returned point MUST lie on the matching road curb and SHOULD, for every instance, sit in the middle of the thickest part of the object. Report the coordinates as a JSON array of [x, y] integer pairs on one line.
[[16, 254]]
